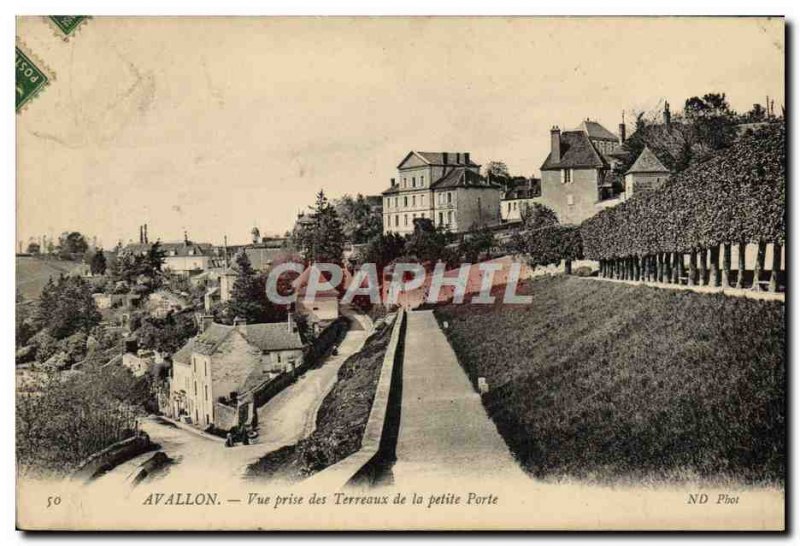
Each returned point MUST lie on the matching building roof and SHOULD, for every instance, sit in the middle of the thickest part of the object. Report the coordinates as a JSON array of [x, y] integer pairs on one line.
[[576, 152], [271, 336], [647, 162], [172, 249], [462, 177], [596, 131], [391, 190], [437, 158]]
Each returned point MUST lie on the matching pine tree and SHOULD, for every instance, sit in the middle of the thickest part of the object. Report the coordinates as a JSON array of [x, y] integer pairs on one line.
[[248, 299], [327, 237]]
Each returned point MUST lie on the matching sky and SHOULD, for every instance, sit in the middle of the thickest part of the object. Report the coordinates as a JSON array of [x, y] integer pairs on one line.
[[215, 125]]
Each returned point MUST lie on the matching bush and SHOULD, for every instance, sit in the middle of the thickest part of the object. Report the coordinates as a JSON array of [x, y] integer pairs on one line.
[[549, 245], [738, 195]]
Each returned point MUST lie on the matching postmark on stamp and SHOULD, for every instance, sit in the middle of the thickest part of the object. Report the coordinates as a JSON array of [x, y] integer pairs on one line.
[[32, 76], [67, 25]]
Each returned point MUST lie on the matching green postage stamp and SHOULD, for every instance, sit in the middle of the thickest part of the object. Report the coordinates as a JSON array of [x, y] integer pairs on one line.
[[32, 76], [67, 24]]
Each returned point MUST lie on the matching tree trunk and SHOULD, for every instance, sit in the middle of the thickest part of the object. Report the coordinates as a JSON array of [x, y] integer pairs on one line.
[[703, 267], [659, 266], [636, 271], [667, 267], [726, 265], [740, 261], [776, 267], [692, 267], [568, 267], [676, 274], [631, 270], [760, 255], [715, 279]]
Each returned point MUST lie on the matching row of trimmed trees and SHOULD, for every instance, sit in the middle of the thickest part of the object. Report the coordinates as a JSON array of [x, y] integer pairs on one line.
[[704, 267], [686, 232]]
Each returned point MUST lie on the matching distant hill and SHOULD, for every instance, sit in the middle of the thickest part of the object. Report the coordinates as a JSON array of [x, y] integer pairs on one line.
[[33, 273]]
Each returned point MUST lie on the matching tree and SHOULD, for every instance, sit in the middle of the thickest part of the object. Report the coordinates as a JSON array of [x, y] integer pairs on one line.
[[72, 243], [497, 172], [359, 222], [712, 118], [166, 334], [67, 307], [537, 216], [97, 265], [383, 249], [248, 296], [33, 248], [477, 242], [321, 240], [429, 243]]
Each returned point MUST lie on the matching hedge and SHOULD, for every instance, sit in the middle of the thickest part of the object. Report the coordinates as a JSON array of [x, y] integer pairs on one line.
[[549, 245], [736, 196]]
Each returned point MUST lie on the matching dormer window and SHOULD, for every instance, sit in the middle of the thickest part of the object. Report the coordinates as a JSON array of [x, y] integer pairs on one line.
[[567, 176]]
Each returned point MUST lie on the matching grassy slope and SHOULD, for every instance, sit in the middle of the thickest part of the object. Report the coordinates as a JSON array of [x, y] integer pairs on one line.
[[341, 419], [604, 381], [33, 274]]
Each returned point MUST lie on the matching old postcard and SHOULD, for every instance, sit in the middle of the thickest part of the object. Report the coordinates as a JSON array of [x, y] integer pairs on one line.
[[341, 273]]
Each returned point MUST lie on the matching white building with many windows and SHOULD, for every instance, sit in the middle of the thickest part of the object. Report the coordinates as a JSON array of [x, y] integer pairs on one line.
[[444, 186]]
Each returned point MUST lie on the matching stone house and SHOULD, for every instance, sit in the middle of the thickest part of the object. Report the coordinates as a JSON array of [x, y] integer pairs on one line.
[[646, 174], [578, 177], [218, 371], [444, 186], [518, 199]]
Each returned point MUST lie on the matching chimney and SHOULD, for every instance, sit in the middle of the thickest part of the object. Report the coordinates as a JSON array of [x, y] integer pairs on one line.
[[458, 158], [185, 237], [444, 158], [205, 322], [290, 322], [141, 234], [393, 182], [667, 115], [622, 130], [555, 144], [466, 158], [145, 234]]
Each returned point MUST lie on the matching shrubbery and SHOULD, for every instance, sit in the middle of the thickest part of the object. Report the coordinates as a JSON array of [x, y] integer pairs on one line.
[[738, 195]]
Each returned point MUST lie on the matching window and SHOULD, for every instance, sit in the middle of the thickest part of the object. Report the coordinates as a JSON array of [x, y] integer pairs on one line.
[[570, 199], [405, 182], [396, 220], [413, 200], [414, 215], [449, 217], [422, 200], [405, 219], [206, 392], [405, 202], [567, 176], [194, 365], [509, 206], [441, 218], [421, 181], [449, 198], [205, 367], [413, 181], [279, 358], [395, 202], [195, 388]]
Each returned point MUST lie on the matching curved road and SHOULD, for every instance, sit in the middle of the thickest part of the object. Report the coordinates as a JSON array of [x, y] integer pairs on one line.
[[203, 460]]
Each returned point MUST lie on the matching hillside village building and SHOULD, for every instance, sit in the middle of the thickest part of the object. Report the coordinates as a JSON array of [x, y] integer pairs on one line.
[[578, 178], [519, 199], [444, 186], [646, 174], [217, 371]]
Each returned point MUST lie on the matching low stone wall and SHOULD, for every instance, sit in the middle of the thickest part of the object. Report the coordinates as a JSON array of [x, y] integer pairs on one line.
[[378, 444], [101, 462]]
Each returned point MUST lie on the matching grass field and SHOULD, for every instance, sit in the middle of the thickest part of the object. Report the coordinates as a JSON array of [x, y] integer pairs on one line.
[[613, 382], [33, 273], [341, 419]]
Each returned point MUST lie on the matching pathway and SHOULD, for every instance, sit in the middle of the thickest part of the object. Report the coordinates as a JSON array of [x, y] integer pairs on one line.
[[445, 434]]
